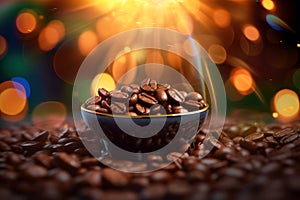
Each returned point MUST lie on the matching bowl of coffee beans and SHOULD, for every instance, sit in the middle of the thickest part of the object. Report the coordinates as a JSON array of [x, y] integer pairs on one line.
[[146, 117]]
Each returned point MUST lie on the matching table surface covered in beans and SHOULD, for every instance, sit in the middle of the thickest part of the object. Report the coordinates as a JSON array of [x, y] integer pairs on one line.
[[248, 161]]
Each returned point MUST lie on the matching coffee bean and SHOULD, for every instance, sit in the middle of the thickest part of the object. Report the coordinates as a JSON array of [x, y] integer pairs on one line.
[[255, 136], [4, 146], [32, 146], [160, 176], [283, 132], [194, 96], [113, 178], [133, 99], [44, 160], [161, 96], [119, 96], [147, 99], [93, 100], [66, 161], [288, 138], [118, 108], [41, 137], [192, 105], [248, 144], [142, 110], [102, 92], [175, 96], [34, 172]]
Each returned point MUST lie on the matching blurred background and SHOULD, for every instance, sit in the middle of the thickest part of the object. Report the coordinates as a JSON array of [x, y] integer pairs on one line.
[[255, 44]]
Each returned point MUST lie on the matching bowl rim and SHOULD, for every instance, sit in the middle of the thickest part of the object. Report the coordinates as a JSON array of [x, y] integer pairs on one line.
[[143, 116]]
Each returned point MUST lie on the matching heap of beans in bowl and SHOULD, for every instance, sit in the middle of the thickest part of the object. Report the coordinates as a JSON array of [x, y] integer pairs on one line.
[[148, 98]]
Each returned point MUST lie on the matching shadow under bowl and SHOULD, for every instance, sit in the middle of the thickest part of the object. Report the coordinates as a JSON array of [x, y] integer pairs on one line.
[[145, 133]]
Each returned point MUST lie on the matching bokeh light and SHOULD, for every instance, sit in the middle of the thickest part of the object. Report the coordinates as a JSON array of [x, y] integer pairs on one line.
[[286, 104], [222, 18], [87, 41], [242, 81], [103, 80], [51, 35], [277, 24], [26, 22], [49, 115], [268, 4], [3, 46], [122, 65], [13, 101], [24, 83], [217, 53], [251, 32]]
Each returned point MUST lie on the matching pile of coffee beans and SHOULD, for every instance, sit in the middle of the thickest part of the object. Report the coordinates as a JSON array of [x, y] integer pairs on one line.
[[248, 160], [150, 98]]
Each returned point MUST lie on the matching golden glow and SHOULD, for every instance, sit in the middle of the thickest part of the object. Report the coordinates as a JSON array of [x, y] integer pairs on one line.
[[26, 22], [268, 4], [87, 41], [122, 65], [51, 35], [49, 115], [175, 61], [275, 115], [102, 80], [3, 45], [242, 81], [286, 103], [298, 45], [12, 101], [154, 71], [222, 18], [251, 33], [217, 53]]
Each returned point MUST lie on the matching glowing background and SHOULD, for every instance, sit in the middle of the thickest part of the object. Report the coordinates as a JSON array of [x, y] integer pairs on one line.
[[256, 45]]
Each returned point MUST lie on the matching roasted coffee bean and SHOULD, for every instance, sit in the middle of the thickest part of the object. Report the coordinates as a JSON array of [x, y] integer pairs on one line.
[[192, 105], [175, 96], [41, 137], [163, 86], [34, 172], [149, 86], [179, 109], [288, 138], [142, 110], [119, 96], [147, 99], [281, 133], [4, 146], [96, 108], [44, 160], [66, 161], [102, 92], [156, 109], [32, 146], [161, 96], [127, 89], [113, 178], [93, 100], [248, 144], [255, 136], [194, 96], [118, 108], [133, 99]]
